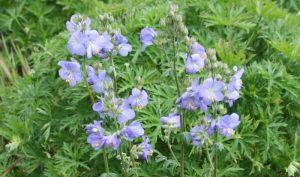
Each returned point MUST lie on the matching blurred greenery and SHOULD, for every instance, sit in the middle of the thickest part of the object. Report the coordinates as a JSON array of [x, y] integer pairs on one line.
[[42, 118]]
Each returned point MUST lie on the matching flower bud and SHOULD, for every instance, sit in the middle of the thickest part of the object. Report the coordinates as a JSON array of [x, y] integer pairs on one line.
[[162, 22]]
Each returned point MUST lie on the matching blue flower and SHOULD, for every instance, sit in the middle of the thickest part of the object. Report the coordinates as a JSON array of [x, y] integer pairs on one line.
[[133, 130], [194, 63], [124, 49], [172, 121], [235, 81], [211, 90], [120, 39], [187, 101], [198, 135], [124, 113], [98, 82], [70, 72], [191, 99], [146, 37], [105, 44], [96, 141], [199, 49], [146, 148], [138, 99], [77, 23], [227, 123], [77, 43], [234, 86], [95, 128], [122, 44], [111, 141], [98, 107], [210, 124]]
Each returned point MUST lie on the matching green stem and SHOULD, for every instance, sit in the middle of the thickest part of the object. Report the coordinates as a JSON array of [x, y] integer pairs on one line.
[[215, 155], [105, 161], [93, 100], [170, 148], [181, 115], [209, 158]]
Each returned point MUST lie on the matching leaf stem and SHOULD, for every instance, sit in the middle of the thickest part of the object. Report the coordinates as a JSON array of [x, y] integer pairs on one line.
[[170, 148], [215, 154], [181, 115], [105, 161]]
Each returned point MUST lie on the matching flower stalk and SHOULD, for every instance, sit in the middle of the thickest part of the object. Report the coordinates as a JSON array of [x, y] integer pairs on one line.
[[105, 159], [181, 115]]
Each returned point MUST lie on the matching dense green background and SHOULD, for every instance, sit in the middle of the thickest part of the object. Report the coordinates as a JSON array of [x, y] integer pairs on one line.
[[42, 118]]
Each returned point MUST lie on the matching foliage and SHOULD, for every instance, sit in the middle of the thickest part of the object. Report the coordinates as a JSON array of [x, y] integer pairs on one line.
[[42, 119]]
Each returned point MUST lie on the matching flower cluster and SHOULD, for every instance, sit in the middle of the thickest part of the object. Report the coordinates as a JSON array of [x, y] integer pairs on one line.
[[207, 96], [116, 114], [86, 42], [195, 62], [117, 110]]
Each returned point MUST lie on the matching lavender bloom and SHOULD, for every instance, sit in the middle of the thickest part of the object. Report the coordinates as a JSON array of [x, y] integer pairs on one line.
[[198, 135], [112, 141], [210, 124], [124, 113], [93, 43], [194, 63], [96, 141], [227, 123], [199, 49], [232, 96], [172, 121], [91, 74], [134, 130], [146, 148], [105, 44], [98, 107], [95, 128], [120, 39], [77, 23], [146, 37], [187, 101], [211, 90], [70, 72], [99, 82], [199, 102], [123, 47], [191, 99], [76, 43], [235, 81], [138, 99], [97, 44], [234, 86]]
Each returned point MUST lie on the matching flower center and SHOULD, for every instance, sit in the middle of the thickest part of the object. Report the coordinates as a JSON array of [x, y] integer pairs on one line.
[[211, 94], [97, 144]]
